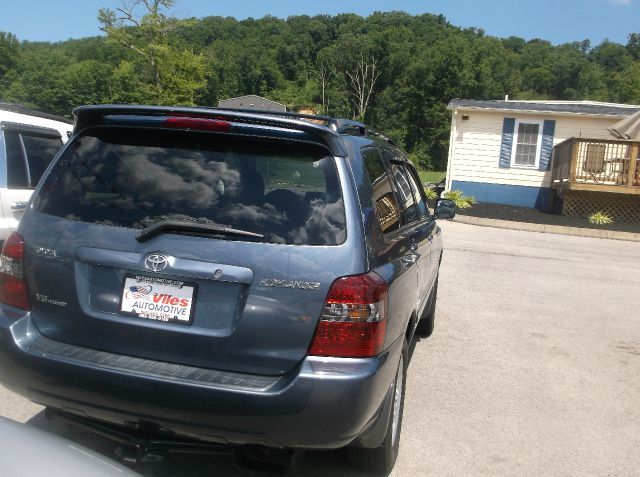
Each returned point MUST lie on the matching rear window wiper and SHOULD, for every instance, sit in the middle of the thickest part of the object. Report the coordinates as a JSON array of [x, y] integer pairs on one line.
[[168, 225]]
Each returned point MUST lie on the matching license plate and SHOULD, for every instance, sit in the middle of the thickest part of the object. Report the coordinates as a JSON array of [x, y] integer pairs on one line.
[[159, 299]]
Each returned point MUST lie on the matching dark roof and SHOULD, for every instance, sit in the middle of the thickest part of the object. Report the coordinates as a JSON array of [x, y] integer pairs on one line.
[[18, 108], [571, 107]]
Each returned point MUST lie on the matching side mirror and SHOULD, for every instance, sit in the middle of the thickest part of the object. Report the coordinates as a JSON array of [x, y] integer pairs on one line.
[[445, 209]]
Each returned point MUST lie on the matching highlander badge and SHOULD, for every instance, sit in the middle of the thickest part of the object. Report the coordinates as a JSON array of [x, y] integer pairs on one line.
[[302, 284]]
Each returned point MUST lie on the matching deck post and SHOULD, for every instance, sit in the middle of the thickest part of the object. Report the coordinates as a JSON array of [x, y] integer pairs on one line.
[[633, 161], [574, 160]]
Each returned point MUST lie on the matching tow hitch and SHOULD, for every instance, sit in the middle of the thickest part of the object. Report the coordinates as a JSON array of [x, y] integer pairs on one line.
[[137, 446]]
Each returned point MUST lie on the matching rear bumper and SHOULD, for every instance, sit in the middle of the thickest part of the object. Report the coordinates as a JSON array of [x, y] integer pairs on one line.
[[323, 403]]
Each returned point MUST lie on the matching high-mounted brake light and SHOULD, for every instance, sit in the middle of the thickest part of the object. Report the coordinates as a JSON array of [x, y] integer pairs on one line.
[[13, 286], [201, 124], [354, 318]]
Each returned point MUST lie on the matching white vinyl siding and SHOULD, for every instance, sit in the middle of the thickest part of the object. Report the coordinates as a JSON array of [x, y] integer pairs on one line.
[[527, 142], [475, 145]]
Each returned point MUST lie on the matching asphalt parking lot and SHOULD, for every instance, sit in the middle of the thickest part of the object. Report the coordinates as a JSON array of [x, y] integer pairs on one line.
[[532, 369]]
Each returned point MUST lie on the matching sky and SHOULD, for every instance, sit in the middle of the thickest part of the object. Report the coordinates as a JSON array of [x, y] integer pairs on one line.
[[559, 21]]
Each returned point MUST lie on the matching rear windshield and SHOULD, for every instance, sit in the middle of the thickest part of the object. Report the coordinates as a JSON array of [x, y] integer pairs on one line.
[[132, 177]]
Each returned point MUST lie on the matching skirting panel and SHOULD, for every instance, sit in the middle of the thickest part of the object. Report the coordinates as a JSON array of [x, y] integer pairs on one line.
[[523, 196], [619, 207]]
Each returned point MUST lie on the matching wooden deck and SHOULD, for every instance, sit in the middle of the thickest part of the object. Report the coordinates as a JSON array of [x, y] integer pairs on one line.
[[596, 165]]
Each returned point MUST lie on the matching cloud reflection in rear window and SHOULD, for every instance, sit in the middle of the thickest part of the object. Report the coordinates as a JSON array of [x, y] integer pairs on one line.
[[130, 177]]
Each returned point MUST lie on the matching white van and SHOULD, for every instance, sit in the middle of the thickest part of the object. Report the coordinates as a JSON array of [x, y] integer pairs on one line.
[[28, 142]]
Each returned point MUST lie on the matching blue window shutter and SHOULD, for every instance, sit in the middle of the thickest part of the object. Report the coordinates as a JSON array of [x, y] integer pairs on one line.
[[546, 149], [507, 142]]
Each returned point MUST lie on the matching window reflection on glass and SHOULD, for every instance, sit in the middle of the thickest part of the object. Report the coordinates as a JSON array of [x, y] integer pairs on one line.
[[418, 197], [16, 163], [40, 152], [130, 178], [409, 205], [387, 209]]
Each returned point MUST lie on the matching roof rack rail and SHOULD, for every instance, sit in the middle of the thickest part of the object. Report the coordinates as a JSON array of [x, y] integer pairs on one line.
[[340, 125], [323, 120], [382, 136], [356, 128], [348, 126]]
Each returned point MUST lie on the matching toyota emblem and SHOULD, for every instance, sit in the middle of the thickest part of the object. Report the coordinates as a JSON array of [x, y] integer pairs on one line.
[[156, 262]]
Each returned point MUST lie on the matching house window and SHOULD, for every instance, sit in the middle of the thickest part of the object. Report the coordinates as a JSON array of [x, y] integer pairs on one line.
[[527, 141]]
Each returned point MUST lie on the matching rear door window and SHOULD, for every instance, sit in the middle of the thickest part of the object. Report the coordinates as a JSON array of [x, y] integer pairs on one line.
[[129, 177], [413, 203], [28, 155], [418, 192], [40, 151], [17, 177], [411, 199], [384, 198], [407, 199]]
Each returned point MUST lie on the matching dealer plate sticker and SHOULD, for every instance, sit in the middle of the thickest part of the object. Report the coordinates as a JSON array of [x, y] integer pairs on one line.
[[159, 299]]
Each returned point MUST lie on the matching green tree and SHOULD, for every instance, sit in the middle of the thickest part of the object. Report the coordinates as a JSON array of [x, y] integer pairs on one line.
[[9, 51], [353, 59], [159, 72], [611, 56], [633, 46], [396, 70], [9, 47]]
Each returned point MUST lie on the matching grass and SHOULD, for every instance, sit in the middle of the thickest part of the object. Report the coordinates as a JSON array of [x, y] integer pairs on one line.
[[431, 176]]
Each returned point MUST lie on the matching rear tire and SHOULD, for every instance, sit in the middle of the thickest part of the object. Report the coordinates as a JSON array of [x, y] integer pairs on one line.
[[427, 320], [380, 460]]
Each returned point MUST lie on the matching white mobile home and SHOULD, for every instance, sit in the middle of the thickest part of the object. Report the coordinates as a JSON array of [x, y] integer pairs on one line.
[[500, 151]]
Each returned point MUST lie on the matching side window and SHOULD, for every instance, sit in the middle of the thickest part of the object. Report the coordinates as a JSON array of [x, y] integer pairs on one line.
[[387, 209], [17, 177], [24, 172], [412, 200], [418, 196], [407, 199], [40, 151]]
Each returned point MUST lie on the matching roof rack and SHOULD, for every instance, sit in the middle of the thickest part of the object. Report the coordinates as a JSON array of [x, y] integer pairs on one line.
[[315, 124], [322, 120], [340, 125], [348, 126], [356, 128], [18, 108]]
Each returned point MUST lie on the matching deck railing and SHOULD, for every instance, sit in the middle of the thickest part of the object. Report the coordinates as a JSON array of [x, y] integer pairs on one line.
[[597, 164]]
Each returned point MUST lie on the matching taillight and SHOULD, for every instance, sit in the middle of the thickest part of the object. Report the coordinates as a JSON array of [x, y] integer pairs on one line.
[[13, 287], [201, 124], [354, 318]]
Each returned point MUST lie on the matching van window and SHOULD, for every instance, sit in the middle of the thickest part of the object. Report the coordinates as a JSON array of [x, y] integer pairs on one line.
[[130, 177]]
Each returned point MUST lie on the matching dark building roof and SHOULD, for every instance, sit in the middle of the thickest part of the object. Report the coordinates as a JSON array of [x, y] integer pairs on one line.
[[561, 107]]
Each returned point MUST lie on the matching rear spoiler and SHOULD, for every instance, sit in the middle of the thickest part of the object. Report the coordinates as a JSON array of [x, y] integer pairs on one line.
[[86, 116]]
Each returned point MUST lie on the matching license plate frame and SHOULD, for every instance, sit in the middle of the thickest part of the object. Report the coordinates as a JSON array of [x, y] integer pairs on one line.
[[154, 299]]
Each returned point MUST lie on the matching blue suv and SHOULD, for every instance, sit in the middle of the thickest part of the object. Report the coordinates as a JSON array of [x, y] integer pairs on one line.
[[231, 277]]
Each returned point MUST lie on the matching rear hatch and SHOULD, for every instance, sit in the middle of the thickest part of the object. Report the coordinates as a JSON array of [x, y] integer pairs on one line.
[[209, 249]]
